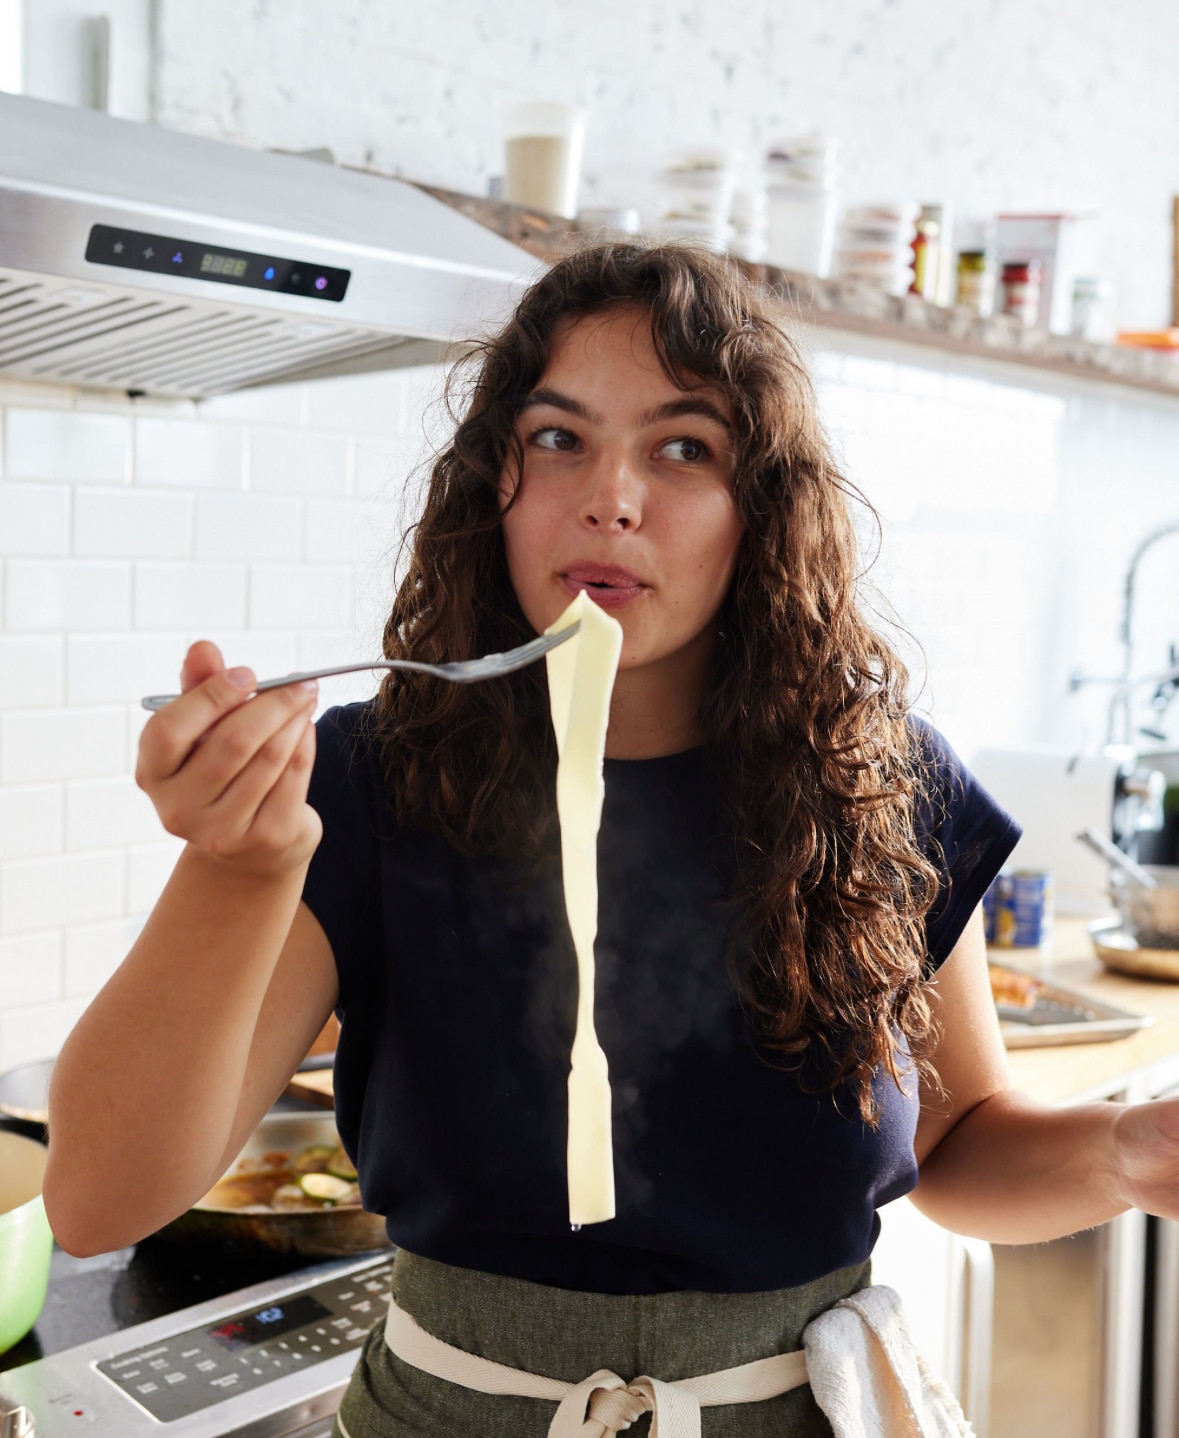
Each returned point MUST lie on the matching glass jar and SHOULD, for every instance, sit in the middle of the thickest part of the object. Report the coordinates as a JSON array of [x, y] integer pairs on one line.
[[976, 282], [1021, 290], [1090, 300]]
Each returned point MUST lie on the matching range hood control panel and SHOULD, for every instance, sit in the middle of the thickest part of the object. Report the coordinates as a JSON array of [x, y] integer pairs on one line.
[[168, 255]]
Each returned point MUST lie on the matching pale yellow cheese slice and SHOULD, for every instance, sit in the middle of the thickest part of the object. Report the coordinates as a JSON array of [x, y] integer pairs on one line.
[[581, 678]]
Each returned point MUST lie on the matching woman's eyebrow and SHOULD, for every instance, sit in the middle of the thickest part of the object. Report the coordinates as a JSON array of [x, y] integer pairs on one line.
[[671, 409], [675, 408], [556, 400]]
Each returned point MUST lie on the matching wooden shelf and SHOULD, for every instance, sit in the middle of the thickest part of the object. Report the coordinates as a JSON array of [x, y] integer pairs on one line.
[[856, 308]]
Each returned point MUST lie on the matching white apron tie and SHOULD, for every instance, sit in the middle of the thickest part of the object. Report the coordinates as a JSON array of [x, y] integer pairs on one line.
[[603, 1403]]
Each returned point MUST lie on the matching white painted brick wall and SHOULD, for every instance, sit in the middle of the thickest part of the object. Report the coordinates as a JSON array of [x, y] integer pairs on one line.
[[1012, 105], [1010, 504]]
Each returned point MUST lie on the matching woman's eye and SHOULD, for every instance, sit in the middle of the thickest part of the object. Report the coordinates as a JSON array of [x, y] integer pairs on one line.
[[553, 438], [690, 450]]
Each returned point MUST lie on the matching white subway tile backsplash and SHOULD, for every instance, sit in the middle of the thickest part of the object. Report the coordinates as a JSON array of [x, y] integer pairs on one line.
[[66, 446], [34, 519], [132, 524], [186, 455], [30, 820], [149, 866], [190, 596], [30, 671], [103, 813], [382, 464], [30, 969], [37, 745], [38, 1031], [270, 404], [299, 596], [293, 461], [247, 526], [121, 668], [336, 530], [267, 652], [66, 594], [357, 403], [94, 951], [63, 889]]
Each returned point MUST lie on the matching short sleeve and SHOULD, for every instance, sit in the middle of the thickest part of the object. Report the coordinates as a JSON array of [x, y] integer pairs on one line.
[[342, 884], [963, 833]]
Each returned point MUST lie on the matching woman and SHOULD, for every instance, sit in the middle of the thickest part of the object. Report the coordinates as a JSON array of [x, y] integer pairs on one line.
[[792, 987]]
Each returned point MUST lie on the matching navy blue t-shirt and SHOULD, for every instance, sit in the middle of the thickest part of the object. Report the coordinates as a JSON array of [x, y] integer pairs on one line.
[[457, 1003]]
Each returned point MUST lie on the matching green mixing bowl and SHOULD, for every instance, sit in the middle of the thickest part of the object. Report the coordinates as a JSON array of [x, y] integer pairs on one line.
[[25, 1240]]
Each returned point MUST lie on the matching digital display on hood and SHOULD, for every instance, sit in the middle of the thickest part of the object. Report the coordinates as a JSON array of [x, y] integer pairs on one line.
[[163, 254]]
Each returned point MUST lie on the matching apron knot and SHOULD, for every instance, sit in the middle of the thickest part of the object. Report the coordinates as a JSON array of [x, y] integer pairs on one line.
[[603, 1404]]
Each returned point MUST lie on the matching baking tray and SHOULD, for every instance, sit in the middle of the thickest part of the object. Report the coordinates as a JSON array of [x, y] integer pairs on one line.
[[1061, 1015]]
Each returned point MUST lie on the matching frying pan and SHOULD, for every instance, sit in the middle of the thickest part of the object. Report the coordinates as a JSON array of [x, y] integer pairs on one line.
[[320, 1233], [317, 1233]]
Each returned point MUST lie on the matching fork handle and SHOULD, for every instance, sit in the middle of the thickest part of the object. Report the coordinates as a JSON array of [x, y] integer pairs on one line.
[[157, 701]]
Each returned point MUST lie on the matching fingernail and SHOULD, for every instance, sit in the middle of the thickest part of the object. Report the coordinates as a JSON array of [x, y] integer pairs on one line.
[[241, 678], [311, 685]]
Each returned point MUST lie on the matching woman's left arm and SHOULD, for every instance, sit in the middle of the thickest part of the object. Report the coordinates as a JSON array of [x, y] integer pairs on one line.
[[996, 1165]]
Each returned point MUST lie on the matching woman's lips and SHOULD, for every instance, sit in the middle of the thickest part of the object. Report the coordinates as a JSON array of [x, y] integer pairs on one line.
[[606, 585]]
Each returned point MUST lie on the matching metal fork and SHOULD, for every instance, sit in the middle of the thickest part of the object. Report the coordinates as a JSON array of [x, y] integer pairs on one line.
[[458, 671]]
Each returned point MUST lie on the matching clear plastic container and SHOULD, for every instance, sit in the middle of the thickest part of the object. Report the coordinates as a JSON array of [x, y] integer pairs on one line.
[[544, 140], [801, 227], [698, 185]]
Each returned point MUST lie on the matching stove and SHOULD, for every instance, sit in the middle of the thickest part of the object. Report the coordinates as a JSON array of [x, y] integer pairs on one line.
[[155, 1340]]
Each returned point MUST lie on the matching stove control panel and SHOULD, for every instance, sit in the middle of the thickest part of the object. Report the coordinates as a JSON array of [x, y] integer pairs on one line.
[[194, 1370]]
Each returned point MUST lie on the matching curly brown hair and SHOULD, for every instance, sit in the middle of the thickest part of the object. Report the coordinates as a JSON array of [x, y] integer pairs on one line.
[[804, 720]]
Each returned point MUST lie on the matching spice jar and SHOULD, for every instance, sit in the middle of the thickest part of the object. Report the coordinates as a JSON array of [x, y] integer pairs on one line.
[[1090, 299], [976, 282], [1021, 290]]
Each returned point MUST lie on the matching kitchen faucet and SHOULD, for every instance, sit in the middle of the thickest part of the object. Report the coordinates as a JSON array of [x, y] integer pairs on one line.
[[1166, 681]]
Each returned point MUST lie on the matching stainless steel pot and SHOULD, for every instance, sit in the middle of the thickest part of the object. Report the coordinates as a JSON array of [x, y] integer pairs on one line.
[[1150, 915], [320, 1233]]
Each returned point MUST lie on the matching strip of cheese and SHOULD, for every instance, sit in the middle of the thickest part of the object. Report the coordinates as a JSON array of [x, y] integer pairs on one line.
[[581, 678]]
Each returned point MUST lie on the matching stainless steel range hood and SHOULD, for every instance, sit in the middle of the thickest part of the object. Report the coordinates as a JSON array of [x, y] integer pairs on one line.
[[138, 259]]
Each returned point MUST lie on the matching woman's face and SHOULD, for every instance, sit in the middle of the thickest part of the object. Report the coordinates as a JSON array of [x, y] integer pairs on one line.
[[626, 492]]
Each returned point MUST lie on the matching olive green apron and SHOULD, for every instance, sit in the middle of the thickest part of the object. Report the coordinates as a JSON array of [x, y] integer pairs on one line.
[[569, 1335]]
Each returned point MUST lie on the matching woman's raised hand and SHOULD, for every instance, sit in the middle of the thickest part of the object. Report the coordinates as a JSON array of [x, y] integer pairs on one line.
[[228, 773], [1146, 1156]]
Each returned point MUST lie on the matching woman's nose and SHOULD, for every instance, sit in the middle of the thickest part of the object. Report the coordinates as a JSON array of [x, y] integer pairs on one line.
[[613, 501]]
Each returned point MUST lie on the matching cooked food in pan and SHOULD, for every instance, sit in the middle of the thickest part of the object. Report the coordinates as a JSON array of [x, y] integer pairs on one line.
[[317, 1177]]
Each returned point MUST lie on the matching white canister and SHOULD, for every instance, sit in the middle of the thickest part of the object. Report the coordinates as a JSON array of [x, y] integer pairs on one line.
[[544, 140], [800, 227]]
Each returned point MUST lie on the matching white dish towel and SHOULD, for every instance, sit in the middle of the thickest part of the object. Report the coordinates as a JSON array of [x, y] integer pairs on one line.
[[868, 1378]]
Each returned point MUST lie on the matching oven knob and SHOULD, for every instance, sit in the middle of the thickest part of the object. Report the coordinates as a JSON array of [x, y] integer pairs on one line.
[[15, 1422]]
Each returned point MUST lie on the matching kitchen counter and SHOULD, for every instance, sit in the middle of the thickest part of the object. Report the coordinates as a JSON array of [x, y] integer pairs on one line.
[[1143, 1063]]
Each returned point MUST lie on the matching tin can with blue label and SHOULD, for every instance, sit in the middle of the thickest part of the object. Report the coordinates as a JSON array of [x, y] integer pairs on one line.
[[1031, 908]]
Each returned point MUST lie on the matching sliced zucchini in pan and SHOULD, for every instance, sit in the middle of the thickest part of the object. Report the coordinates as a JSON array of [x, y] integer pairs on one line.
[[341, 1165], [325, 1187]]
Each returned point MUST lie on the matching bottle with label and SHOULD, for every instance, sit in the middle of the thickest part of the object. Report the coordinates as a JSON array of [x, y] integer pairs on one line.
[[976, 282], [1021, 290]]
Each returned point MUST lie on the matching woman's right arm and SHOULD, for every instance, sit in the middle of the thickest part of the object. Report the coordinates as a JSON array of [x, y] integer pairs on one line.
[[177, 1059]]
